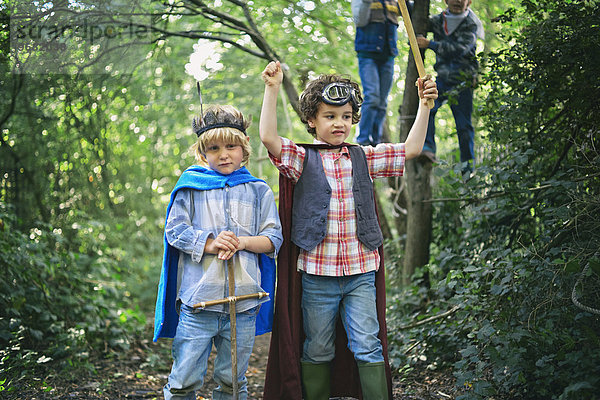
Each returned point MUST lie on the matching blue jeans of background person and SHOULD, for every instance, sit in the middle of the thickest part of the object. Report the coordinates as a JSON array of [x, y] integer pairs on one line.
[[353, 299], [460, 98], [193, 342], [376, 77]]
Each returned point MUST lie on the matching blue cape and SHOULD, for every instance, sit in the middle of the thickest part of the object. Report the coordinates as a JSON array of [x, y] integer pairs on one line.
[[166, 317]]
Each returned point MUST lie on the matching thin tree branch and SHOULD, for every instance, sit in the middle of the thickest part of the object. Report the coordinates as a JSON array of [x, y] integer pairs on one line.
[[430, 319], [504, 193], [192, 35]]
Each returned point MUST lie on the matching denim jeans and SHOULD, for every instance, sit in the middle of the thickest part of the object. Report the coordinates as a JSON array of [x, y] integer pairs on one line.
[[376, 77], [196, 333], [353, 299], [460, 98]]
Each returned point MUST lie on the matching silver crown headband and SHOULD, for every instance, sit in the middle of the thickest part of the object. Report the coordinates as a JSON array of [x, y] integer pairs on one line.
[[209, 121]]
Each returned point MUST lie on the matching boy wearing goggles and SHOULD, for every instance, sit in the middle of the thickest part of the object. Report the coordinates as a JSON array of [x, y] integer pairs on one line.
[[335, 236]]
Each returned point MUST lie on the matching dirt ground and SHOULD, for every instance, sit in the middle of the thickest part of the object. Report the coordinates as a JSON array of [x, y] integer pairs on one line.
[[141, 373]]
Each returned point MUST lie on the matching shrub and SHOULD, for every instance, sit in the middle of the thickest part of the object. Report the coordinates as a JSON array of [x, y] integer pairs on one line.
[[57, 304], [527, 234]]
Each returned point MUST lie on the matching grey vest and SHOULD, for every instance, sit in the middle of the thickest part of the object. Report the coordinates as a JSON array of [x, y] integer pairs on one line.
[[312, 195]]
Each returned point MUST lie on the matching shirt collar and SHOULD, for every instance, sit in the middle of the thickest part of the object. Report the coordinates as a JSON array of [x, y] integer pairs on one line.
[[344, 150]]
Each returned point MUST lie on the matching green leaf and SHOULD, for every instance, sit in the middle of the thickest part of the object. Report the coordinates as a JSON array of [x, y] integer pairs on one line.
[[572, 266], [595, 265], [483, 388], [469, 351]]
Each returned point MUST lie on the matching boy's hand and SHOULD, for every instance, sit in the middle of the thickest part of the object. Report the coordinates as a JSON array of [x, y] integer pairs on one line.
[[273, 74], [422, 41], [227, 254], [427, 89], [225, 245]]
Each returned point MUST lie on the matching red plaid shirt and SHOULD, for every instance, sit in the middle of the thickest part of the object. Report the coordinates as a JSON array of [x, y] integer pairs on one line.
[[340, 253]]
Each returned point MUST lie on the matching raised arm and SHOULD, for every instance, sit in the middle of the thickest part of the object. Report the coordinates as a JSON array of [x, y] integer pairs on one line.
[[273, 76], [416, 137]]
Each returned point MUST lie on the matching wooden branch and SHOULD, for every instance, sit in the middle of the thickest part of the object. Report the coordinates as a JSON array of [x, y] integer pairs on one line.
[[231, 299], [194, 35], [190, 8], [221, 16], [418, 342], [505, 193], [430, 319], [412, 39]]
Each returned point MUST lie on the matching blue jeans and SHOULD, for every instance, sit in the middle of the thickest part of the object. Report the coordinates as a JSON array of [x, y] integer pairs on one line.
[[353, 299], [193, 342], [461, 104], [376, 78]]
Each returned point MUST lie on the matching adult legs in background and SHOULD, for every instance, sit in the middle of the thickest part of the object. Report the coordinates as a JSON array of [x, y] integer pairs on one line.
[[429, 145], [376, 77], [460, 98], [462, 110]]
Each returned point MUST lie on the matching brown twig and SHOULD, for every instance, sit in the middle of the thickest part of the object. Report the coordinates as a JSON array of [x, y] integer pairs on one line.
[[430, 319], [231, 299]]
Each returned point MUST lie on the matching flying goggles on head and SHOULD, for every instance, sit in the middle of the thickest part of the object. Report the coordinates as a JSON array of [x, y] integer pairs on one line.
[[210, 121], [339, 93]]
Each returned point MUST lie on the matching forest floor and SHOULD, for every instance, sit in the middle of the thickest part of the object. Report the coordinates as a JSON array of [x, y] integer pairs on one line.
[[141, 372]]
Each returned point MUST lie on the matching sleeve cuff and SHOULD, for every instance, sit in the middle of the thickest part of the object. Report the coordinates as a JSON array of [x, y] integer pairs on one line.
[[277, 241], [277, 162], [198, 251]]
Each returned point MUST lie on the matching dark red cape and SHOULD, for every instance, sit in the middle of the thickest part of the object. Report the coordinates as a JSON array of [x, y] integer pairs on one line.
[[283, 378]]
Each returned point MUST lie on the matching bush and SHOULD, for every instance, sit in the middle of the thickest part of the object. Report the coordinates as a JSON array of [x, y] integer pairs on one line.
[[527, 234], [57, 304]]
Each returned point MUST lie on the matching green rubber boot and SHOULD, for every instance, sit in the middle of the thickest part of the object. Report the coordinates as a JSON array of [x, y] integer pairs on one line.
[[315, 381], [373, 381]]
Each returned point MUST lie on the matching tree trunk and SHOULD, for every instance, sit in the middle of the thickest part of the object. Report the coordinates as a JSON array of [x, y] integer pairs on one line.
[[418, 170]]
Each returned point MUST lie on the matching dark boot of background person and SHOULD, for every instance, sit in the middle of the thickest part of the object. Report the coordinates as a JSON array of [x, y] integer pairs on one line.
[[466, 169]]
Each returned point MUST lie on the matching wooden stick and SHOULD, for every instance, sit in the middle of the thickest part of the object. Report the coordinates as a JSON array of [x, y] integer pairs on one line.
[[232, 324], [231, 299], [412, 39], [429, 319]]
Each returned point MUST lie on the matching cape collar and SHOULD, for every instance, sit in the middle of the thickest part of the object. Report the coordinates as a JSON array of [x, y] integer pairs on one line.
[[204, 178]]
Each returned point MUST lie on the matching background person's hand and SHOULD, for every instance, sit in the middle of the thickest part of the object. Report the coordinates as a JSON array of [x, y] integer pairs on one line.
[[422, 41]]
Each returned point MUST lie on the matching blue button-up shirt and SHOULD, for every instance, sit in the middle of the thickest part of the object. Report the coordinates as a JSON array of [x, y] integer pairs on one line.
[[247, 209]]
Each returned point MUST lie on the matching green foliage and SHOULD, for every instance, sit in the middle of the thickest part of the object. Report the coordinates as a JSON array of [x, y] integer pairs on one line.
[[94, 155], [58, 304], [509, 251]]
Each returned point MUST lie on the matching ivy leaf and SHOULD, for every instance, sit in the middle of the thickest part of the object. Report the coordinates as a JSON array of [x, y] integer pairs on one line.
[[572, 266], [469, 351], [595, 265]]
